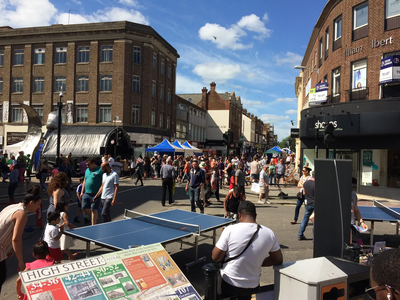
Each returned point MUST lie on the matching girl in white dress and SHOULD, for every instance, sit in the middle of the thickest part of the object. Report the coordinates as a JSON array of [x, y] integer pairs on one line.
[[66, 242]]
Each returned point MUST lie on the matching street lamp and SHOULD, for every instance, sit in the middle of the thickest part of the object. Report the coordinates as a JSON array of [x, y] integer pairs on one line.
[[305, 68], [59, 105], [116, 135]]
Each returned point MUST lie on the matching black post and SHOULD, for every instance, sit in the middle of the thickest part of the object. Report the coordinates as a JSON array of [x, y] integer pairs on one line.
[[316, 143], [59, 129], [210, 284]]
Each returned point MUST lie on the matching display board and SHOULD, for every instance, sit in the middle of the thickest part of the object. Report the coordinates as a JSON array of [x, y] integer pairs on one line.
[[146, 272]]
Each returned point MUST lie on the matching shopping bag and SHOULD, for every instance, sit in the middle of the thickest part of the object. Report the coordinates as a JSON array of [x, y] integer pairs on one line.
[[255, 187]]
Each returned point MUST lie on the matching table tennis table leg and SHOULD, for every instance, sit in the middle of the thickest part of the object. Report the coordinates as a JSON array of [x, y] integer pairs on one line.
[[214, 236], [372, 233], [196, 247], [87, 249], [397, 228]]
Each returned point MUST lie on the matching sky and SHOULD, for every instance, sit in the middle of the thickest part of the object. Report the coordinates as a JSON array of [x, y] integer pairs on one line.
[[247, 47]]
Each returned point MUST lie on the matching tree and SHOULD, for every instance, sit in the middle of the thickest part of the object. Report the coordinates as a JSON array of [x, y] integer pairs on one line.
[[283, 143]]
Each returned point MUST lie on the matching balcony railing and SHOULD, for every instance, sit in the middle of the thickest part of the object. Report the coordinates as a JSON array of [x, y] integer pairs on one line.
[[357, 94], [332, 99]]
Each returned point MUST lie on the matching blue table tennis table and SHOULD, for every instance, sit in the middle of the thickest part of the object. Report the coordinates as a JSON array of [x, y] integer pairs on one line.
[[163, 227], [380, 213]]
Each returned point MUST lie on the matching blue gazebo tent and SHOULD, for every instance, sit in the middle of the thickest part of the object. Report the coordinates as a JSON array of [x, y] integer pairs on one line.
[[196, 150], [274, 150], [187, 150], [165, 147]]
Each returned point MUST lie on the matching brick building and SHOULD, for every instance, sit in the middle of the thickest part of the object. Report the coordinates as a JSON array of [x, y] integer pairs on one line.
[[115, 73], [350, 78]]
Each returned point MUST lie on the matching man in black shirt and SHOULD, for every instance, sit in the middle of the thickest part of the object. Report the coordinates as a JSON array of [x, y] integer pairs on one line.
[[308, 192]]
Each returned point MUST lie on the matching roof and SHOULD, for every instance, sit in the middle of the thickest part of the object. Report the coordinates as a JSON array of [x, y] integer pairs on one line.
[[195, 98]]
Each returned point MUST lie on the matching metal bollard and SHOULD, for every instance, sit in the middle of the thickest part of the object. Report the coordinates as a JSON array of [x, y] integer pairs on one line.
[[210, 288]]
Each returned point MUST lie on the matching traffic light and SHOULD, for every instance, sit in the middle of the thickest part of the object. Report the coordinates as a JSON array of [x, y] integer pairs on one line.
[[226, 137], [328, 134]]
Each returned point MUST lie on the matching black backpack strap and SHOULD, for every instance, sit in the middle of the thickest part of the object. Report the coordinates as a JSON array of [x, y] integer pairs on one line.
[[247, 246]]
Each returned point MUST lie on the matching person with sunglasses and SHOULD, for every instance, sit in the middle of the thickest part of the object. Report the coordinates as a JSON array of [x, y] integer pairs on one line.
[[385, 276], [300, 199]]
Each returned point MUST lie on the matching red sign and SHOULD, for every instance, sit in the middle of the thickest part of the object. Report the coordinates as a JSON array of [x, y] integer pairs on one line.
[[232, 145]]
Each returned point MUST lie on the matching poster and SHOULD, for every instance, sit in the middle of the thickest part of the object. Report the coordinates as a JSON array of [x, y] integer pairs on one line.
[[5, 111], [360, 78], [146, 272], [70, 116]]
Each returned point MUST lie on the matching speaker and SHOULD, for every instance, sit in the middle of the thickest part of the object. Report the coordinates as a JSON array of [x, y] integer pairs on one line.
[[332, 206]]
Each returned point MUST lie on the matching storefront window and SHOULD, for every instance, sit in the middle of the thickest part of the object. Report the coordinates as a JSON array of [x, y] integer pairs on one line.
[[359, 74], [380, 168]]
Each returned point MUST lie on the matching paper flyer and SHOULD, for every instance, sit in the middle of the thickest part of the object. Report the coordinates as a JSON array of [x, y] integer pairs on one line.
[[142, 273]]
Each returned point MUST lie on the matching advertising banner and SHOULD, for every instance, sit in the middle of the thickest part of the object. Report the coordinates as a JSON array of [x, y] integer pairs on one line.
[[320, 94], [146, 272], [390, 69]]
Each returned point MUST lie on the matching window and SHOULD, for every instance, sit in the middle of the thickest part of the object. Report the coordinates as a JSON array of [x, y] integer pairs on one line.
[[136, 84], [320, 51], [315, 58], [325, 78], [1, 113], [105, 113], [153, 117], [161, 119], [360, 16], [338, 28], [169, 72], [61, 55], [154, 61], [169, 96], [18, 57], [162, 92], [135, 114], [2, 58], [392, 8], [81, 113], [55, 108], [336, 82], [39, 109], [38, 84], [359, 74], [60, 84], [326, 42], [82, 84], [162, 67], [83, 54], [136, 55], [169, 122], [105, 83], [106, 53], [18, 85], [153, 89], [16, 113], [1, 86], [39, 56]]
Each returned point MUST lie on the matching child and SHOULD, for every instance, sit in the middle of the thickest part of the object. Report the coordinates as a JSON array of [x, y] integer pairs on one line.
[[231, 203], [52, 235], [79, 200], [40, 251], [66, 242]]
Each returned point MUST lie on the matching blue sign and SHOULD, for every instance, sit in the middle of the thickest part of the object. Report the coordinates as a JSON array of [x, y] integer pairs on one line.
[[390, 69]]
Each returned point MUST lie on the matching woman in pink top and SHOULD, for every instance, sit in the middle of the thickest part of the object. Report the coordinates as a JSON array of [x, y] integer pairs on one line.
[[40, 252], [12, 224]]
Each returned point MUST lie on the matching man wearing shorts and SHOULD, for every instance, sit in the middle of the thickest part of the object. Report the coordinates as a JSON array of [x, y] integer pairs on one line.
[[264, 188], [90, 187]]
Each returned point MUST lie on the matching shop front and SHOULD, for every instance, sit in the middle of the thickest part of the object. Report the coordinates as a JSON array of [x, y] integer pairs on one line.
[[366, 132]]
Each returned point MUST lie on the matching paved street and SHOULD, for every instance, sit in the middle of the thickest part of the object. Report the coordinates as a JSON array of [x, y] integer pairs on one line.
[[147, 199]]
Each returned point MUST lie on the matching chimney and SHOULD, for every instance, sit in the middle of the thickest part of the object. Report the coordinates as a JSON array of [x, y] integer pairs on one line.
[[212, 86], [204, 98], [252, 115]]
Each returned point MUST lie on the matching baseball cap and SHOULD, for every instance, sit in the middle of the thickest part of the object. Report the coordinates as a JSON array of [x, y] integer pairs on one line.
[[247, 205]]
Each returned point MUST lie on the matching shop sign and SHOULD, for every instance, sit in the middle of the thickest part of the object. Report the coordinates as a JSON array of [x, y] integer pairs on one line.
[[15, 137], [390, 69], [344, 125], [311, 96], [321, 94], [294, 133], [232, 145], [367, 158]]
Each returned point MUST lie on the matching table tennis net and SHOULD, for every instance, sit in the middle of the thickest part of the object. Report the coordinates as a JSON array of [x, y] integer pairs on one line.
[[387, 210], [192, 228]]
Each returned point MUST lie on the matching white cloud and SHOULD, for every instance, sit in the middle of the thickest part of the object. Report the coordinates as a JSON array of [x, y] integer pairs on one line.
[[217, 72], [281, 124], [77, 2], [185, 85], [253, 23], [106, 15], [224, 38], [289, 58], [252, 103], [291, 112], [132, 3], [26, 13], [265, 17], [269, 118], [229, 38], [285, 100]]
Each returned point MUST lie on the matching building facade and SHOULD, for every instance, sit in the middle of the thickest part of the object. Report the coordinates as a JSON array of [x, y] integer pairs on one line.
[[350, 79], [248, 132], [110, 74]]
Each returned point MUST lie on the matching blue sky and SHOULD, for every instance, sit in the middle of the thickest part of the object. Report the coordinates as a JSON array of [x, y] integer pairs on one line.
[[249, 47]]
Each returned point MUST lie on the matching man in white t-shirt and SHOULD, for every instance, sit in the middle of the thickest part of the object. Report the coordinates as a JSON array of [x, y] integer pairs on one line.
[[241, 276], [108, 191]]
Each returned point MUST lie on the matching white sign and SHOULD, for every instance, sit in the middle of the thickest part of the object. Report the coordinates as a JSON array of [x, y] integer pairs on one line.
[[5, 111], [308, 87]]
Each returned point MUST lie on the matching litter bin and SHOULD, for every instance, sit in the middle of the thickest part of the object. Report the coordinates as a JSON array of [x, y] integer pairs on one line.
[[322, 278]]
